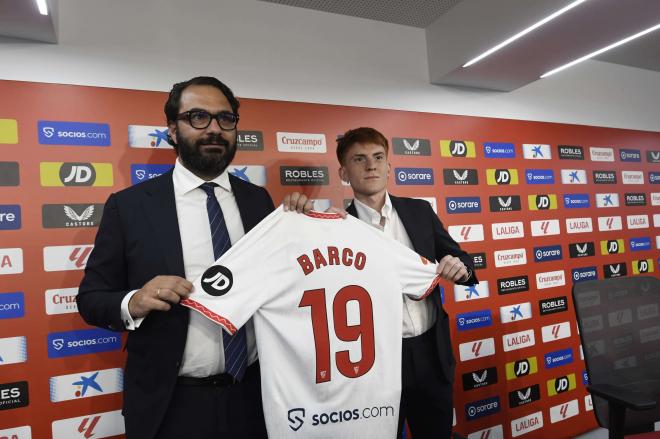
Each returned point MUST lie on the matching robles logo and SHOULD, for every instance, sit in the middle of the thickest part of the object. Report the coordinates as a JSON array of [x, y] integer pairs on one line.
[[514, 284], [570, 152], [636, 199], [553, 305]]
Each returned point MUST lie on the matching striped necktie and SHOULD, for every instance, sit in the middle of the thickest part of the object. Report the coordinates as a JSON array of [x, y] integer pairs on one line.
[[235, 345]]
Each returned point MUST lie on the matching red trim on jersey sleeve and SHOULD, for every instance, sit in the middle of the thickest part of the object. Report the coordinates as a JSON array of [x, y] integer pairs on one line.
[[431, 288], [323, 215], [229, 326]]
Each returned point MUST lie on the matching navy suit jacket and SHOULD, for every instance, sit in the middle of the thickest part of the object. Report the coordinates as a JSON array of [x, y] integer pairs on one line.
[[430, 239], [138, 239]]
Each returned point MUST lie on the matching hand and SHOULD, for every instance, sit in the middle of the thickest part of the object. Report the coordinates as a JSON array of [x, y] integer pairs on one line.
[[298, 202], [341, 212], [158, 294], [452, 269]]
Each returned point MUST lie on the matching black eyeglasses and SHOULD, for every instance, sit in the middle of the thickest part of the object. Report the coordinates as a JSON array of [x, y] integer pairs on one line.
[[201, 119]]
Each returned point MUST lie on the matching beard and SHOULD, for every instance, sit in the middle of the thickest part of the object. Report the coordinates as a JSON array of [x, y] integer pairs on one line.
[[210, 163]]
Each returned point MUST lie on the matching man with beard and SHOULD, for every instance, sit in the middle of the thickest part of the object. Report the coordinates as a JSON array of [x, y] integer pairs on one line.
[[184, 377]]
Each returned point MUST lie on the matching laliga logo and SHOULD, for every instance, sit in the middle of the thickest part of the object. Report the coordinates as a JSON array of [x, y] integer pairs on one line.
[[609, 222], [555, 330], [296, 418], [465, 232], [88, 429], [48, 131], [58, 343], [217, 280], [476, 347], [563, 410], [80, 255], [544, 226]]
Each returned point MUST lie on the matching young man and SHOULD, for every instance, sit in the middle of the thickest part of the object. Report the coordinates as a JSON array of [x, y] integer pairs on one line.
[[427, 359], [182, 376]]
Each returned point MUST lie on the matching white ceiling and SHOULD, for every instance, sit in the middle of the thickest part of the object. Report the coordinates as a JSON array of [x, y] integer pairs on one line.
[[457, 31]]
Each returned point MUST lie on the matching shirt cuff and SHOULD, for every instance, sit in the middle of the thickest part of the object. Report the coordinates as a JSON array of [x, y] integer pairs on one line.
[[468, 275], [130, 323]]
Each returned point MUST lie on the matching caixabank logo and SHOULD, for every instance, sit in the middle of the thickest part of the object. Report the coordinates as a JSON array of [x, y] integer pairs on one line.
[[304, 176], [607, 200], [71, 215], [479, 378], [524, 396], [14, 395], [520, 368], [13, 350], [576, 201], [82, 341], [411, 146], [483, 407], [460, 176], [499, 150], [542, 202], [9, 174], [581, 249], [457, 148], [414, 176], [558, 358], [10, 217], [75, 174], [501, 177], [255, 174], [463, 205], [73, 133], [464, 293], [536, 151], [562, 384], [573, 176], [504, 203], [148, 137], [516, 312], [143, 171], [86, 384]]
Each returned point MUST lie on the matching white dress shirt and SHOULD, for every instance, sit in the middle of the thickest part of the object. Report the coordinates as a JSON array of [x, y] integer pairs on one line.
[[418, 316], [204, 353]]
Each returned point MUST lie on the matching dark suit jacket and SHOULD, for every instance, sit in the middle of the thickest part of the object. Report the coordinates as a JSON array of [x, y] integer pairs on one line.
[[138, 239], [430, 239]]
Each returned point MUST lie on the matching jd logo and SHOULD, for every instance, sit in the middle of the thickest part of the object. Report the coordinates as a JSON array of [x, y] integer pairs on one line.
[[542, 202], [77, 174], [561, 384], [217, 280], [643, 266], [502, 176], [296, 418], [458, 149], [613, 247], [522, 368], [86, 428]]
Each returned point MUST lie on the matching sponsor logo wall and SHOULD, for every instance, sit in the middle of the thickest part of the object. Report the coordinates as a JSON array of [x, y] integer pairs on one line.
[[535, 217]]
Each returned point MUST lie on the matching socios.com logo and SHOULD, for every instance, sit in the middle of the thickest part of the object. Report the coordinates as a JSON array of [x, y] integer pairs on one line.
[[73, 133], [83, 341], [414, 176], [539, 176], [144, 172], [296, 418]]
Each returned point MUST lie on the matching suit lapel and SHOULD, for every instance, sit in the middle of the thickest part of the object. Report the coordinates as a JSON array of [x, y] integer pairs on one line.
[[245, 203], [408, 221], [352, 210], [160, 210]]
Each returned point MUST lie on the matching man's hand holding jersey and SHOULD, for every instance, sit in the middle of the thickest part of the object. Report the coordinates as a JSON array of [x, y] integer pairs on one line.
[[452, 269]]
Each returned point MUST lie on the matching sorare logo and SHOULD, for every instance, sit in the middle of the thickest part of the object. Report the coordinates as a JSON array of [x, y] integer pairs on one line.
[[142, 171], [83, 341], [547, 253], [483, 407], [463, 204], [414, 176], [10, 217], [583, 274], [73, 133]]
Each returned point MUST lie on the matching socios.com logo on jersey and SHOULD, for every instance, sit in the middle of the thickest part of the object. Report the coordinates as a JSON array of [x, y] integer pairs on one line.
[[413, 176], [463, 204], [143, 172], [496, 150], [539, 176], [73, 133], [82, 341]]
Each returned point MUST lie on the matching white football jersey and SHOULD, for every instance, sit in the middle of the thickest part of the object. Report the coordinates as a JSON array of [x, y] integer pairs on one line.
[[325, 297]]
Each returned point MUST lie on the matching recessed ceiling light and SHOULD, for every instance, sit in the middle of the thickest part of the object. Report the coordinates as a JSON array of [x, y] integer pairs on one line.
[[524, 32], [599, 51], [43, 7]]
